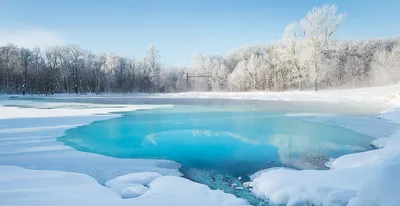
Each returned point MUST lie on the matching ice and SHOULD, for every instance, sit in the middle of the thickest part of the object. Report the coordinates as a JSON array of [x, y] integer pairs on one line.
[[17, 112]]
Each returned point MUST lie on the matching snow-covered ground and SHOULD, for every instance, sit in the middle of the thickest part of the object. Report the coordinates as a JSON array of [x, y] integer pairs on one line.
[[20, 186], [372, 94], [37, 170], [384, 94]]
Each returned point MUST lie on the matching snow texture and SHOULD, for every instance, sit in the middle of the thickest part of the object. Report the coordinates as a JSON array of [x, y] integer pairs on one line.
[[132, 185], [20, 186], [385, 94], [134, 190]]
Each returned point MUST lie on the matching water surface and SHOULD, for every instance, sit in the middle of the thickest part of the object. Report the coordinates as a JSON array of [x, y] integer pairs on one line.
[[216, 144]]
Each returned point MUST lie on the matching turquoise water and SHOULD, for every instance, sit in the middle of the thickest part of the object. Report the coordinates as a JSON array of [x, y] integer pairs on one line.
[[216, 145]]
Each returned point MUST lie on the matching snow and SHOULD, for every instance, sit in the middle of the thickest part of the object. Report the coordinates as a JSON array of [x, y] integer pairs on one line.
[[367, 185], [197, 194], [383, 94], [380, 143], [134, 190], [132, 185], [382, 190], [143, 178], [20, 186], [291, 187], [64, 109]]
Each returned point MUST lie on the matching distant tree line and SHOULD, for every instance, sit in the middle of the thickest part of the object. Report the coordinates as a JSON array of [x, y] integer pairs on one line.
[[70, 69], [304, 58]]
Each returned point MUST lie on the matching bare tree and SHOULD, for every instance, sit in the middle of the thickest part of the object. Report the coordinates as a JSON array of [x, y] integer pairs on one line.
[[152, 61], [26, 56]]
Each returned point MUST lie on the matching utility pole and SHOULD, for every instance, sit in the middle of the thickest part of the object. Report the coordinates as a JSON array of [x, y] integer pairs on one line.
[[187, 81]]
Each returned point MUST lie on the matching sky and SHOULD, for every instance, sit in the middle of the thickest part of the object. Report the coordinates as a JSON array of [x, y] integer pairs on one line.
[[179, 29]]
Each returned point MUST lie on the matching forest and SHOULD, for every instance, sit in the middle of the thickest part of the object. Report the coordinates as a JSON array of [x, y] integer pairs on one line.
[[306, 57]]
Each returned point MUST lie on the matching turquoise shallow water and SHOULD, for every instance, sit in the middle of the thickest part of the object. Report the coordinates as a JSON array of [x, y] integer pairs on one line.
[[215, 145]]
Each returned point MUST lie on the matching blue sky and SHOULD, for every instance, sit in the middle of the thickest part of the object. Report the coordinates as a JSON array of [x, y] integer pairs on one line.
[[179, 29]]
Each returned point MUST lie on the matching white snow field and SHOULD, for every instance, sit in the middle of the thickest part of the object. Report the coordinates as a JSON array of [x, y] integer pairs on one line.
[[371, 94], [383, 94], [20, 186], [37, 170]]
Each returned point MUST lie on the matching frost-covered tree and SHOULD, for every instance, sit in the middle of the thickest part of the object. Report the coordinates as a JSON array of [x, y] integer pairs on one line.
[[290, 49], [239, 79], [386, 66], [152, 62], [318, 27], [93, 71], [215, 68]]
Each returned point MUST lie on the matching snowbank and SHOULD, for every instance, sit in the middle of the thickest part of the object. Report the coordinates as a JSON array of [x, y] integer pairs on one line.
[[20, 186], [370, 94], [361, 179], [390, 93]]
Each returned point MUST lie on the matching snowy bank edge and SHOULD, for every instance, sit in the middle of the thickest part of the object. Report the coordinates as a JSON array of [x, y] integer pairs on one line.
[[352, 179], [21, 186]]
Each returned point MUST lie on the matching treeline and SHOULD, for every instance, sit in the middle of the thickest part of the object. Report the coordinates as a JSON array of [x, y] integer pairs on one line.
[[304, 58], [277, 68], [70, 69]]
